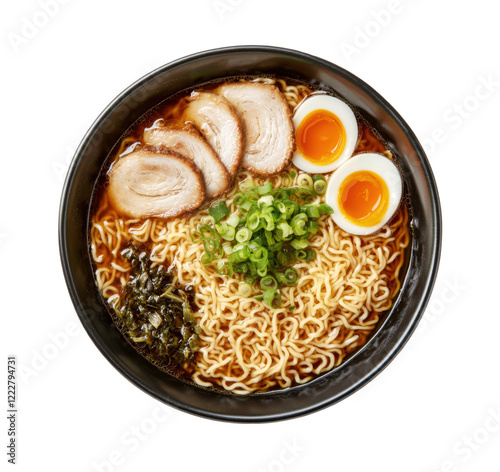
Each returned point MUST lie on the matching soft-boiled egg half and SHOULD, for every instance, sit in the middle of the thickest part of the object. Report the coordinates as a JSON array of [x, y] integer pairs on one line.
[[364, 193], [326, 133]]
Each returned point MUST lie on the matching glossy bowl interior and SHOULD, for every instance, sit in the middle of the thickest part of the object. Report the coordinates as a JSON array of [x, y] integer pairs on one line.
[[190, 71]]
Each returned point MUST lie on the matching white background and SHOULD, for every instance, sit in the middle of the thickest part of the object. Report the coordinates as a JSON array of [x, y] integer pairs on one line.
[[435, 408]]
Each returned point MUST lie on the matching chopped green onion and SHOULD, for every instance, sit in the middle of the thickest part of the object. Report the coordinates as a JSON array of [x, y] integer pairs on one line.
[[284, 229], [284, 257], [243, 253], [312, 227], [243, 235], [246, 205], [269, 238], [297, 218], [207, 220], [304, 191], [276, 247], [262, 272], [301, 254], [318, 177], [267, 200], [292, 174], [259, 254], [219, 211], [312, 211], [227, 247], [239, 198], [221, 228], [291, 308], [224, 267], [310, 254], [288, 277], [245, 289], [320, 187], [272, 298], [206, 259], [249, 278], [325, 209], [240, 267], [246, 185], [259, 239], [252, 195], [268, 283], [305, 179], [299, 244], [253, 222], [280, 206], [298, 227], [195, 236], [268, 222], [253, 245], [273, 262], [229, 234], [265, 189], [291, 275], [233, 220], [291, 208], [211, 242]]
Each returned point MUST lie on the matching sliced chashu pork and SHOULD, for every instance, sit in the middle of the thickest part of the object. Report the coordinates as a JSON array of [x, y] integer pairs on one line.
[[189, 143], [214, 116], [267, 125], [155, 182]]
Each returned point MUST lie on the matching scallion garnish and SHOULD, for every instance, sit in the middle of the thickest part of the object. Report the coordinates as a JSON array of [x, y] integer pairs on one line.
[[245, 289], [268, 233], [319, 187], [268, 283], [305, 179], [219, 211], [243, 235], [265, 189], [272, 298]]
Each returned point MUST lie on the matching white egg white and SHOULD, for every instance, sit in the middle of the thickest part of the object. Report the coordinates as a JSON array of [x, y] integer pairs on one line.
[[378, 164], [344, 113]]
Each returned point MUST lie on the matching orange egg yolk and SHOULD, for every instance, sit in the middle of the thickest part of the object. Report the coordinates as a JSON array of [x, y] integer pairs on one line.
[[320, 137], [363, 198]]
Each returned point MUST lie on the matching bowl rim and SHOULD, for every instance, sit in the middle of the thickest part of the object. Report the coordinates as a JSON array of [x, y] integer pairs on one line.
[[436, 240]]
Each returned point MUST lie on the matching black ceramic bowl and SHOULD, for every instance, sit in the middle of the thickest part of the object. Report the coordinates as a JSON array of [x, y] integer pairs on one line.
[[392, 333]]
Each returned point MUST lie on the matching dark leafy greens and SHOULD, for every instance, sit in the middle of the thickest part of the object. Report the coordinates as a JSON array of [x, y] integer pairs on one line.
[[156, 314]]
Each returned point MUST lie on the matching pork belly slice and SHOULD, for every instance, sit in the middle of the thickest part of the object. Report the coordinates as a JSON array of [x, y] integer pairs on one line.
[[215, 118], [155, 182], [269, 140], [189, 143]]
